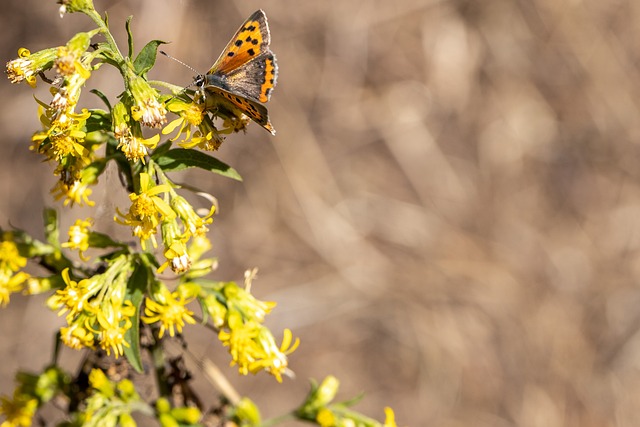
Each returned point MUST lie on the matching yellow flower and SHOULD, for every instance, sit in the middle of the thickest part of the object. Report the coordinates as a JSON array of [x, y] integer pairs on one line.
[[79, 237], [191, 114], [146, 210], [68, 56], [241, 340], [168, 309], [76, 336], [112, 331], [235, 124], [74, 296], [147, 204], [390, 418], [194, 224], [177, 257], [70, 6], [66, 98], [129, 136], [274, 359], [63, 135], [75, 182], [27, 66], [38, 285], [325, 418], [76, 193], [10, 258], [18, 411], [207, 137], [9, 284], [247, 304], [147, 109], [134, 147]]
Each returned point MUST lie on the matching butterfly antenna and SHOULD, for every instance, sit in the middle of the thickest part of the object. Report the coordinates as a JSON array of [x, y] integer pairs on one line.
[[178, 61]]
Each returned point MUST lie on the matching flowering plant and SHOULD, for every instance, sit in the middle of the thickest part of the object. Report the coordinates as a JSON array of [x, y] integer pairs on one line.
[[116, 304]]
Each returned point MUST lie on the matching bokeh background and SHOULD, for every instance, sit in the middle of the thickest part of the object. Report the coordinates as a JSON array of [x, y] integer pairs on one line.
[[447, 217]]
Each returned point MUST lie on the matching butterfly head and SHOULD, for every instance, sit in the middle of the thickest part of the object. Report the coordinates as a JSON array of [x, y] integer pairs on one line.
[[199, 81]]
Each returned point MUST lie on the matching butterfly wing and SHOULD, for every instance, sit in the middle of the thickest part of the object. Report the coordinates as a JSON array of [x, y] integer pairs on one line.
[[246, 71], [255, 111], [253, 80], [251, 39]]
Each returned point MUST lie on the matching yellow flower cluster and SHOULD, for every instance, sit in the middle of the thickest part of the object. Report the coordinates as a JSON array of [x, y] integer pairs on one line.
[[96, 310], [111, 402], [63, 137], [148, 210], [12, 280], [168, 309], [193, 114]]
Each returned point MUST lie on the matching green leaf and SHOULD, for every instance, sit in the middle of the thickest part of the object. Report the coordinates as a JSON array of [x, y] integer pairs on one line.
[[129, 36], [161, 149], [135, 293], [100, 240], [99, 120], [203, 309], [147, 57], [181, 158], [102, 96]]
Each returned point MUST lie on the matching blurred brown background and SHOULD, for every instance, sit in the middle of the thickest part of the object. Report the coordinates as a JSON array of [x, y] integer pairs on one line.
[[447, 216]]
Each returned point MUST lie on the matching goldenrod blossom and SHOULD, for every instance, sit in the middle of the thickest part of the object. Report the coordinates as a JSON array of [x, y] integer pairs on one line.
[[390, 418], [114, 323], [66, 98], [9, 284], [177, 257], [274, 359], [76, 336], [146, 210], [27, 66], [63, 135], [147, 109], [247, 304], [75, 295], [68, 56], [191, 114], [135, 147], [207, 137], [253, 348], [168, 309], [79, 237], [10, 258], [19, 411], [70, 6], [129, 135], [193, 223], [76, 193]]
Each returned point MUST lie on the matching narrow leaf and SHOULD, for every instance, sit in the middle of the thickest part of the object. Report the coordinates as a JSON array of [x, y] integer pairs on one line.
[[102, 96], [181, 158], [135, 292], [129, 36]]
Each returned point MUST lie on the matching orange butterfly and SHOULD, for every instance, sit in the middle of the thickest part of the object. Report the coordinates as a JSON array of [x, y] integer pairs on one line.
[[244, 75]]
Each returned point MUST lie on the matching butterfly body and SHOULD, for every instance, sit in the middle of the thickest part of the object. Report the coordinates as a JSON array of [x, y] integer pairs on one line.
[[244, 75]]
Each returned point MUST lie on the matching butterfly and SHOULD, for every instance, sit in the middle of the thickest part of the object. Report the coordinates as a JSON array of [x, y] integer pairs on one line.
[[244, 75]]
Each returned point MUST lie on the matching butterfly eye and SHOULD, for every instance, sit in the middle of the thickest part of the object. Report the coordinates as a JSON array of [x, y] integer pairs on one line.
[[199, 80]]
